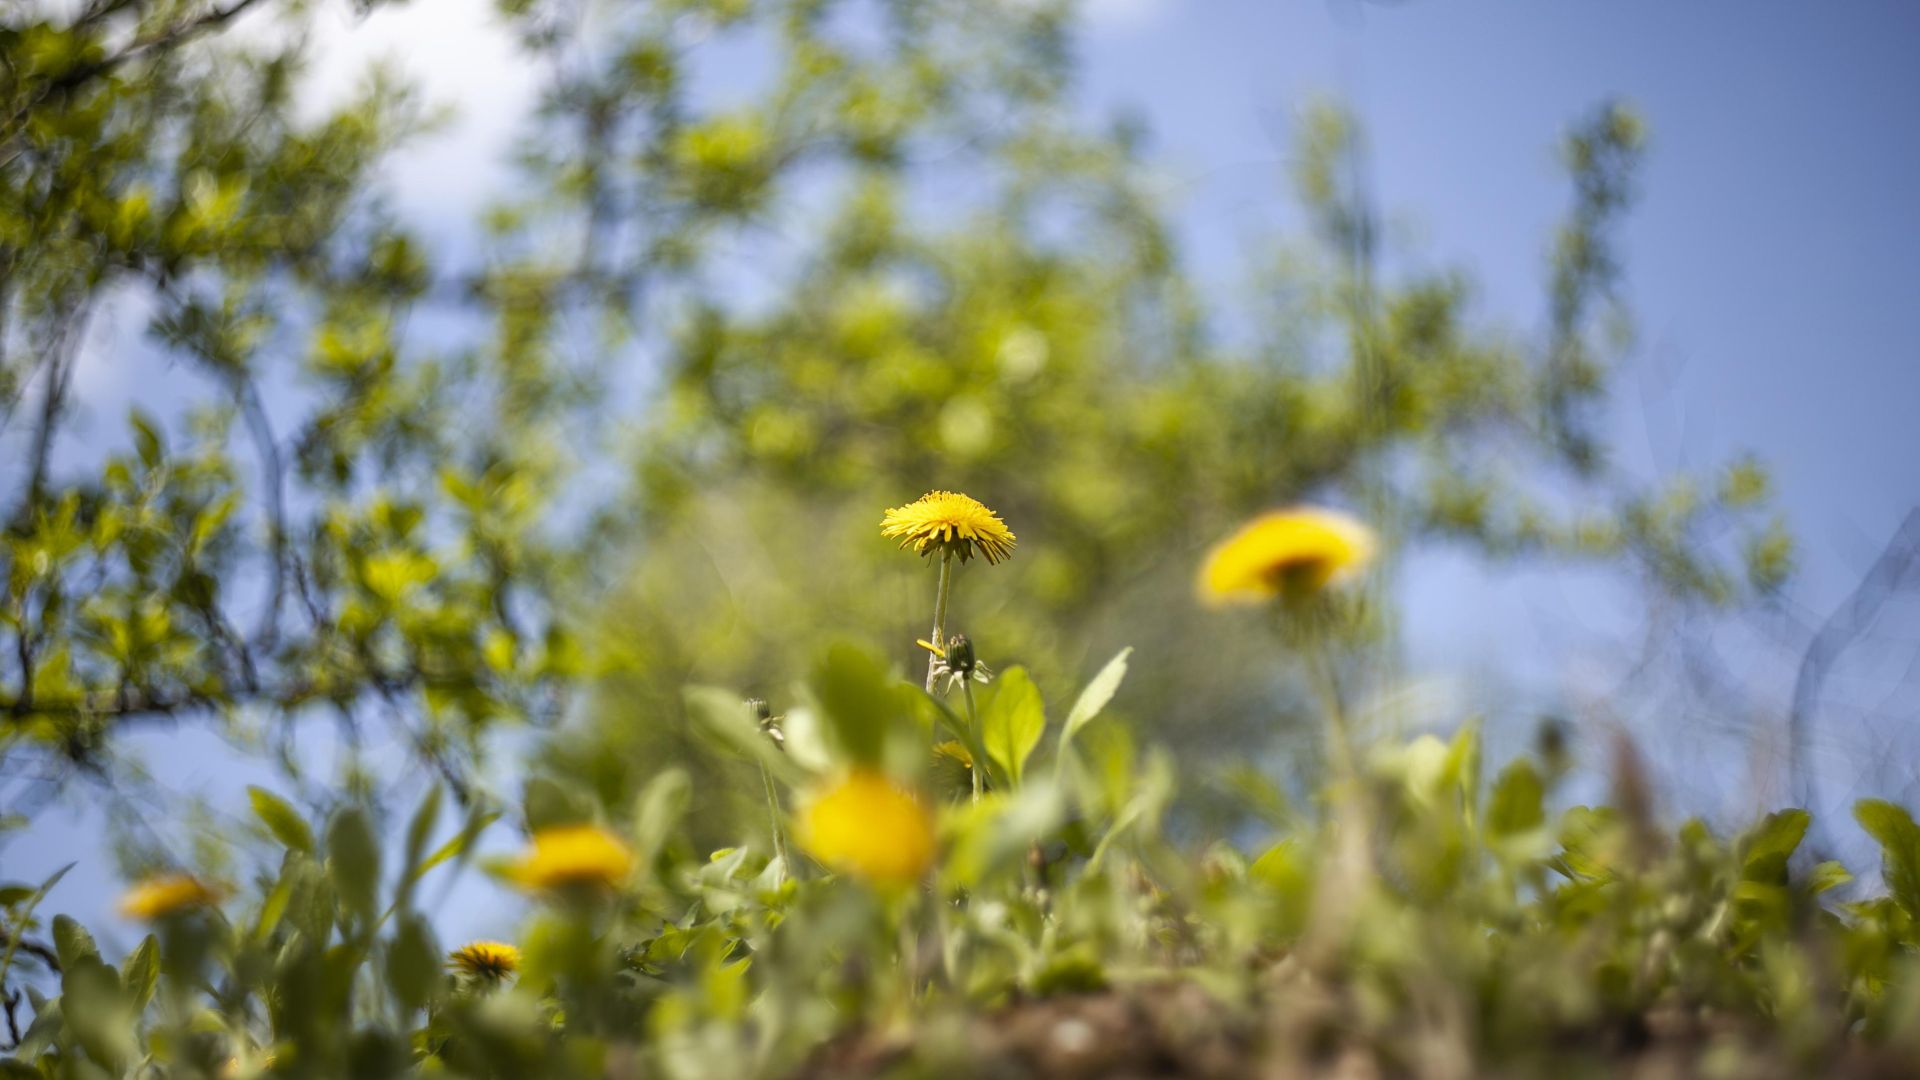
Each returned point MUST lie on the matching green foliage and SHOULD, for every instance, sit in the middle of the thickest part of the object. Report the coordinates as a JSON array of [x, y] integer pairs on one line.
[[308, 532], [1469, 921], [347, 521], [1012, 722]]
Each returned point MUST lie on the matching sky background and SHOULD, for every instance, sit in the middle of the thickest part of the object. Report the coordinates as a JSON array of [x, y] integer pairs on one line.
[[1772, 263]]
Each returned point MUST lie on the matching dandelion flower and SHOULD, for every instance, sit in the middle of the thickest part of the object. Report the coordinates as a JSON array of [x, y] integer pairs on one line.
[[868, 827], [574, 855], [956, 662], [167, 894], [950, 523], [1291, 553], [487, 961]]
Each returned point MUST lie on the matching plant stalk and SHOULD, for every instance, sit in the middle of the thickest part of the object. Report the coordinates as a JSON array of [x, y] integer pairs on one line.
[[940, 612], [979, 737], [773, 819]]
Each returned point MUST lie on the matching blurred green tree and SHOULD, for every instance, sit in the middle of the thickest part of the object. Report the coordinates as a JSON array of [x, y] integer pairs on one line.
[[373, 557], [902, 264], [892, 259]]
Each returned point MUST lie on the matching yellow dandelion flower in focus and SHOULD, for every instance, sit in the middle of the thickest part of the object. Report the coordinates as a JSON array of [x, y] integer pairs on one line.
[[1289, 553], [574, 855], [488, 961], [868, 827], [167, 894], [951, 523]]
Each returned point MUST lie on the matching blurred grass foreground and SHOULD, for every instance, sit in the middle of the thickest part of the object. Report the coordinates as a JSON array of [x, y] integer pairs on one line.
[[615, 556]]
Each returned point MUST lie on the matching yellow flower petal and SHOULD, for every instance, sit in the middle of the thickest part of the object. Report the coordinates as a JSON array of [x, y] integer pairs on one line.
[[167, 894], [868, 827], [947, 521], [491, 961], [1293, 553], [574, 855]]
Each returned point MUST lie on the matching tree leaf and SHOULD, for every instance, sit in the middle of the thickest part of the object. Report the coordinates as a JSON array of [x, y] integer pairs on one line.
[[1517, 805], [1765, 849], [140, 972], [413, 962], [72, 941], [420, 829], [1899, 839], [477, 823], [353, 852], [281, 819]]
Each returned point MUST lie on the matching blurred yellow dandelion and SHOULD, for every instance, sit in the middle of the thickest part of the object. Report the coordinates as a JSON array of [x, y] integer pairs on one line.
[[949, 522], [167, 894], [489, 961], [1292, 553], [868, 827], [574, 855]]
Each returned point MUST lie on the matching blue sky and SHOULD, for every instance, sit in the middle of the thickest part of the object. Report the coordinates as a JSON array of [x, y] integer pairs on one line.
[[1771, 261]]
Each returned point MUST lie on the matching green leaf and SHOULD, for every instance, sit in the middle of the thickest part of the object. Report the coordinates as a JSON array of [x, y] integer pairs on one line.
[[547, 803], [421, 828], [209, 522], [1517, 805], [1899, 839], [1765, 849], [72, 942], [140, 972], [1889, 823], [1095, 696], [477, 823], [281, 819], [25, 914], [1283, 868], [413, 962], [858, 700], [275, 906], [354, 855], [657, 813], [1827, 875], [146, 439], [96, 1010], [1013, 721], [724, 716], [311, 908]]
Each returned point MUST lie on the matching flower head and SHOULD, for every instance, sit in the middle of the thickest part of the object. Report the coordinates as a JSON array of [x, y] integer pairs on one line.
[[1289, 553], [167, 894], [868, 827], [486, 961], [574, 855], [949, 522], [955, 663]]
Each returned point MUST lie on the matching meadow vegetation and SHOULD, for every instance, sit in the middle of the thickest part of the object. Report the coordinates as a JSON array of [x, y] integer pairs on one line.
[[1085, 771]]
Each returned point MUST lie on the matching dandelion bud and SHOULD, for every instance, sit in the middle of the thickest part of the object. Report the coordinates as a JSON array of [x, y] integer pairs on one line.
[[769, 723], [960, 655]]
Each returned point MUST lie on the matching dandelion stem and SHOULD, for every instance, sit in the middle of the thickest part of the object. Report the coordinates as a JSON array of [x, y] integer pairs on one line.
[[979, 740], [940, 613], [773, 818], [1339, 735]]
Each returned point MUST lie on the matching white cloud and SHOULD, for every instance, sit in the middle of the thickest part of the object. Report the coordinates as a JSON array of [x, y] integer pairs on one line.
[[461, 59]]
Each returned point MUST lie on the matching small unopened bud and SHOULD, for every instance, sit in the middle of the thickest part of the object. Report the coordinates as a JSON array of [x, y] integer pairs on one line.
[[769, 723], [960, 655]]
